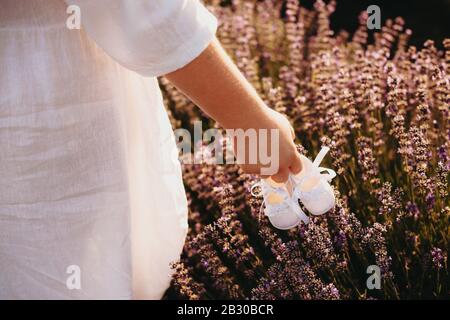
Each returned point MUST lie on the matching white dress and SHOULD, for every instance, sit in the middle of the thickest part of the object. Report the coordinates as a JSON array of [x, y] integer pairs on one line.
[[92, 204]]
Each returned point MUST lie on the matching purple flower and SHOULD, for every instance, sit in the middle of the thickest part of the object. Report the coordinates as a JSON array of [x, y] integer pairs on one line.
[[381, 107], [430, 200], [438, 257], [412, 210]]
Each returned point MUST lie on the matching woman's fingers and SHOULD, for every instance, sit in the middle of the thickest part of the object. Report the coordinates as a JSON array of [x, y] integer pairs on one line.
[[292, 132], [296, 164], [282, 175]]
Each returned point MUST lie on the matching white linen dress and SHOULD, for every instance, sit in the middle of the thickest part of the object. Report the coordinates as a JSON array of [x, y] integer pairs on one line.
[[90, 183]]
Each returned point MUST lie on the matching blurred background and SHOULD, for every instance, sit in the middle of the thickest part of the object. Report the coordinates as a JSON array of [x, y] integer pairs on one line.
[[428, 19]]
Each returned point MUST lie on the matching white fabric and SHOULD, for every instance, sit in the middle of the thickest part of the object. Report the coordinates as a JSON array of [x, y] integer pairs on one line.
[[89, 175]]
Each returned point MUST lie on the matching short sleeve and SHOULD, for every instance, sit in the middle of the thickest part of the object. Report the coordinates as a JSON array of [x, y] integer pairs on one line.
[[151, 37]]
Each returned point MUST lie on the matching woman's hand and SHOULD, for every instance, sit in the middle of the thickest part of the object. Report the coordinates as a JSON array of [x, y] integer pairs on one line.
[[215, 84], [276, 156]]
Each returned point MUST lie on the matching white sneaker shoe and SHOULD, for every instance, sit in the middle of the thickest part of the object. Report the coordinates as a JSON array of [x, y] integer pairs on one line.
[[311, 185], [283, 212]]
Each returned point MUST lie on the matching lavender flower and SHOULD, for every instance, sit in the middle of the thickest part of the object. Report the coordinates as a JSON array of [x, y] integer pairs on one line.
[[439, 258], [382, 108]]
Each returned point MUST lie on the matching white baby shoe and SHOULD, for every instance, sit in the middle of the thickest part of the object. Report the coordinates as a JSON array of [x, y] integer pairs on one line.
[[283, 212], [311, 185]]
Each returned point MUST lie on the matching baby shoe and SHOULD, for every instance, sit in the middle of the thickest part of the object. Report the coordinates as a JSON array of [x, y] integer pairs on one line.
[[280, 208], [311, 185]]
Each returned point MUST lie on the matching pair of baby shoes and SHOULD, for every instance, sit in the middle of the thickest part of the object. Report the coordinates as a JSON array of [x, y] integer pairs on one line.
[[311, 187]]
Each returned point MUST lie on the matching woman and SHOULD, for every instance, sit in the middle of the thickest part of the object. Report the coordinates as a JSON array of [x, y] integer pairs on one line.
[[92, 204]]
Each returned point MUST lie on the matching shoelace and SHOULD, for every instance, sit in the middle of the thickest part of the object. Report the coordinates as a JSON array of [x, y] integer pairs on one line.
[[316, 163], [286, 202]]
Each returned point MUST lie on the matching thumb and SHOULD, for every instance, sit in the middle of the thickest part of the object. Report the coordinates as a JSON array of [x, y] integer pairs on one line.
[[296, 165], [282, 176]]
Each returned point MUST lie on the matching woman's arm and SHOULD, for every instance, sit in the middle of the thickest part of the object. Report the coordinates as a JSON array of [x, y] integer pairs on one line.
[[215, 84], [156, 37]]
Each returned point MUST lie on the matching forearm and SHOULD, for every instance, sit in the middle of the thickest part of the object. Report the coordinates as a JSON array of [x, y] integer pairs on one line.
[[215, 84]]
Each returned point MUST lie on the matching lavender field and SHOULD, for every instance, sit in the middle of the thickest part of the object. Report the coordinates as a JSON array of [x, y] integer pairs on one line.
[[382, 107]]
